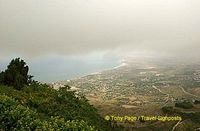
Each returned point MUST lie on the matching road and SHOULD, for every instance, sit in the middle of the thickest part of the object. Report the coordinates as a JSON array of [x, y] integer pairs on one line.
[[188, 93], [167, 95], [178, 123]]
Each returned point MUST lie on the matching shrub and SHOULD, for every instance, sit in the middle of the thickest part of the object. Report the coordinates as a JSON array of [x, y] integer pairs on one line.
[[14, 116], [184, 104], [168, 109], [196, 102]]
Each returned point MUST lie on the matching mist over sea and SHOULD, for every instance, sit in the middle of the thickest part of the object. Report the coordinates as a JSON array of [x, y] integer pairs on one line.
[[57, 68]]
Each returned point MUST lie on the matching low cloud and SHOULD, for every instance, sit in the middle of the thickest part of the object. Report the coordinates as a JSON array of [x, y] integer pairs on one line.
[[34, 28]]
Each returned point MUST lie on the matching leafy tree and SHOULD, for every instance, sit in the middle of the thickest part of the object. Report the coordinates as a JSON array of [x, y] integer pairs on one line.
[[2, 77], [16, 74]]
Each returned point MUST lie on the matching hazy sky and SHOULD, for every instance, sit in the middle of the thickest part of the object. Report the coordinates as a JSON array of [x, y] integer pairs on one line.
[[55, 29]]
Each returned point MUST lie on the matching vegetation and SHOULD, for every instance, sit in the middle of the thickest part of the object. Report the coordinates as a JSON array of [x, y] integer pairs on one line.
[[196, 102], [39, 107], [16, 74], [14, 116], [41, 104], [168, 109], [184, 104], [193, 116]]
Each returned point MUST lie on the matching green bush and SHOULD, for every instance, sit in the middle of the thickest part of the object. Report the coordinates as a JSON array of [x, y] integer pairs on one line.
[[64, 103], [195, 116], [184, 104], [168, 109], [14, 116]]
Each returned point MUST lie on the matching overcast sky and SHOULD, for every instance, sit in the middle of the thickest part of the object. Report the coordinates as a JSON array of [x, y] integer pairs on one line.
[[39, 29]]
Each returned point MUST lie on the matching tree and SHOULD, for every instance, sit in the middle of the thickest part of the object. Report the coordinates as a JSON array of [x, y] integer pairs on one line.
[[2, 77], [16, 74]]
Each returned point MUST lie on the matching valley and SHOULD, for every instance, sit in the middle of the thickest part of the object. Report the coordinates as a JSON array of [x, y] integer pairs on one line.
[[143, 89]]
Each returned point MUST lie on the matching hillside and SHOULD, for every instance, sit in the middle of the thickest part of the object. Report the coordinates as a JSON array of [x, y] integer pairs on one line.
[[39, 107]]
